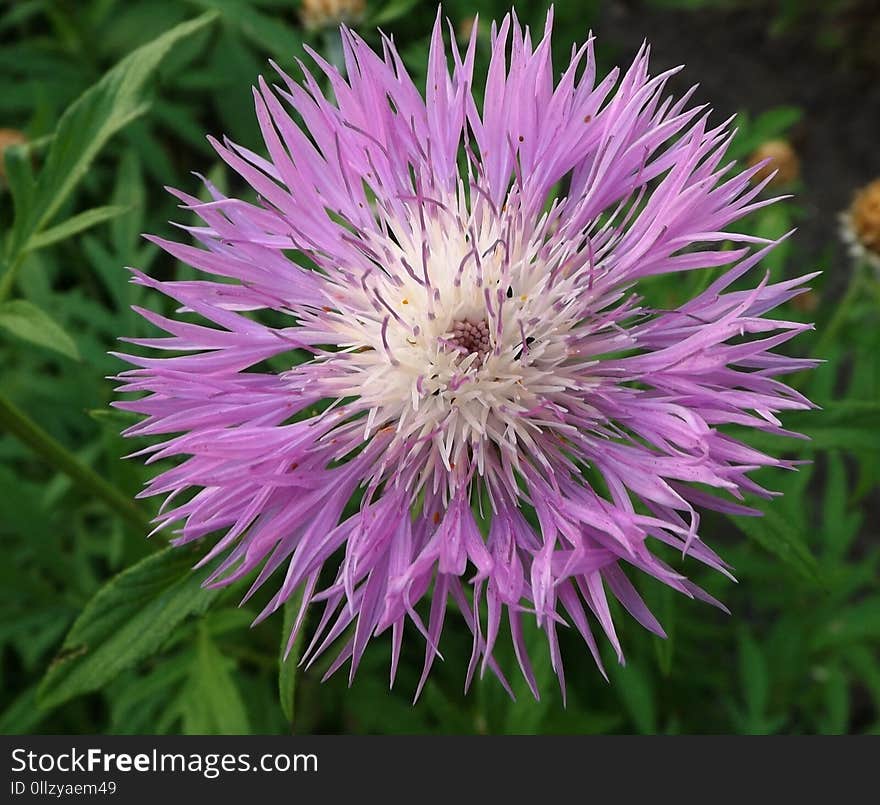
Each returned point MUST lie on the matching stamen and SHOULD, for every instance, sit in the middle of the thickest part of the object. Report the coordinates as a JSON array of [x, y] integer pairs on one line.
[[394, 361], [470, 337]]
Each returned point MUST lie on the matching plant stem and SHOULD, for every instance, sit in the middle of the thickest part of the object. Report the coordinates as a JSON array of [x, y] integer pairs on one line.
[[31, 434], [838, 320], [288, 662], [841, 312]]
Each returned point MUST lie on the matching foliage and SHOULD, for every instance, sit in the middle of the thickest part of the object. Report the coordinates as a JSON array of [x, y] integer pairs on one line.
[[105, 631]]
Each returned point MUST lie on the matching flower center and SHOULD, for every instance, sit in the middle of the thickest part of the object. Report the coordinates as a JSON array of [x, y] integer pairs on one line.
[[469, 337]]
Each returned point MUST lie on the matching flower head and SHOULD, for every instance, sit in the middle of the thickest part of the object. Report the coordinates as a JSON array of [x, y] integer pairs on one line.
[[860, 224], [777, 160], [476, 406], [316, 14]]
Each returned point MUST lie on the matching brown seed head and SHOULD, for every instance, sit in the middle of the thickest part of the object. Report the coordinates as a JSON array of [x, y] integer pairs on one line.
[[317, 14], [864, 216], [783, 159]]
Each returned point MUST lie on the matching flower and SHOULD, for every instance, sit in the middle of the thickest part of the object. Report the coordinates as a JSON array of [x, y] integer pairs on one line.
[[860, 224], [476, 408], [316, 14], [778, 160]]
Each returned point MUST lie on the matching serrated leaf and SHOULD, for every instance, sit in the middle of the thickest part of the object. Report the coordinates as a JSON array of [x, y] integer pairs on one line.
[[839, 527], [130, 618], [859, 622], [139, 701], [87, 125], [26, 321], [775, 533], [74, 225], [839, 425], [842, 438]]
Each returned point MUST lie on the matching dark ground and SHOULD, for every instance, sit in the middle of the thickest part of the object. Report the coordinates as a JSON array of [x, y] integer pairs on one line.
[[732, 52]]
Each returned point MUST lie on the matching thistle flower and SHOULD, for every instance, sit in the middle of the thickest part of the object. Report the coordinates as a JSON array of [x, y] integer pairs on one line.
[[476, 407]]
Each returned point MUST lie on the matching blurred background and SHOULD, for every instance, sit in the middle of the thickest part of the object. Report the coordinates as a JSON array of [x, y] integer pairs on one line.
[[102, 631]]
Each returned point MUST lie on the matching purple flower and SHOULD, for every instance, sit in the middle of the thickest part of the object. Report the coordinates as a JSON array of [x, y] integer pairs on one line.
[[476, 406]]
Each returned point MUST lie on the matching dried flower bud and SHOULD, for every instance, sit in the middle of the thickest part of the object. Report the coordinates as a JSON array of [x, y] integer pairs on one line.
[[316, 14], [865, 212], [861, 224], [783, 159], [8, 137], [806, 302], [465, 29]]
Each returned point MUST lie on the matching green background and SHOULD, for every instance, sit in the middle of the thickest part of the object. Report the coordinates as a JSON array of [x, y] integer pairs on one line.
[[104, 631]]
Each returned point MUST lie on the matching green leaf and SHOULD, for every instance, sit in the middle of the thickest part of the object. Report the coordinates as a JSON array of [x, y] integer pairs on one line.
[[525, 715], [19, 12], [267, 33], [289, 657], [22, 716], [839, 526], [772, 223], [146, 702], [390, 12], [777, 121], [637, 695], [844, 439], [859, 622], [839, 425], [20, 177], [837, 703], [28, 322], [864, 665], [767, 126], [755, 681], [211, 702], [74, 225], [663, 600], [776, 534], [87, 125], [130, 193], [130, 618]]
